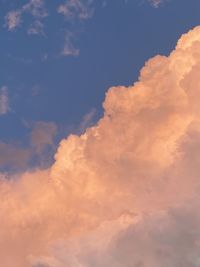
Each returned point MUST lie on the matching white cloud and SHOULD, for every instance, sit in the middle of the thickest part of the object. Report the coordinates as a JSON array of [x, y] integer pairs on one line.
[[4, 101]]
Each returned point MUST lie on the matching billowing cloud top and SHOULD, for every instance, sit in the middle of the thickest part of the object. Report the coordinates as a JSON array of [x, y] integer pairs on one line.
[[126, 192]]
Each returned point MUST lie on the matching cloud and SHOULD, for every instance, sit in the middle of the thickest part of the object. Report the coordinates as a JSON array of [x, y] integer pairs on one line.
[[42, 135], [36, 28], [13, 157], [87, 120], [4, 101], [156, 3], [13, 19], [126, 191], [69, 49], [76, 9], [35, 8], [40, 148], [166, 238], [71, 10]]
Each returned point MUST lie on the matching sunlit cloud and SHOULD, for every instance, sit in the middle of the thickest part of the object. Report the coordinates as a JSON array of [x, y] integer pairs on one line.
[[126, 191], [15, 157]]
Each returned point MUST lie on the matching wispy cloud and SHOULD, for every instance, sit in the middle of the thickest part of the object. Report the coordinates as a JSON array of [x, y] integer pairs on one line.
[[13, 19], [4, 101], [69, 49], [36, 8], [71, 10], [37, 27], [13, 157], [42, 135], [156, 3], [39, 149], [76, 9], [87, 120]]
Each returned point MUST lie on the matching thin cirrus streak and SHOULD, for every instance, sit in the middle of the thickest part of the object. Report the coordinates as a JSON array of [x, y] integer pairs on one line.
[[124, 193]]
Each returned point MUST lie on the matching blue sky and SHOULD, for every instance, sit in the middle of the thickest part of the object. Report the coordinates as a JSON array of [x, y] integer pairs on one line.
[[60, 57]]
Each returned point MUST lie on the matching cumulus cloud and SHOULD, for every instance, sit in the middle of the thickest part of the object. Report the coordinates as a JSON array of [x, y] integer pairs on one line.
[[126, 191], [4, 101]]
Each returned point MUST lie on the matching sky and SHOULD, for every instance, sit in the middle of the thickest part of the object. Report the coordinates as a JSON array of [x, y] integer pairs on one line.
[[59, 59], [100, 133]]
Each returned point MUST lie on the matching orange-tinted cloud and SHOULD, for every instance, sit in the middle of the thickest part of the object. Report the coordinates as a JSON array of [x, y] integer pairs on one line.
[[42, 135], [124, 192], [15, 157]]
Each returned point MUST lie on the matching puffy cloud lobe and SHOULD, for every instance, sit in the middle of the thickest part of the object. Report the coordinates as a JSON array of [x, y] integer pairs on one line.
[[124, 193]]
